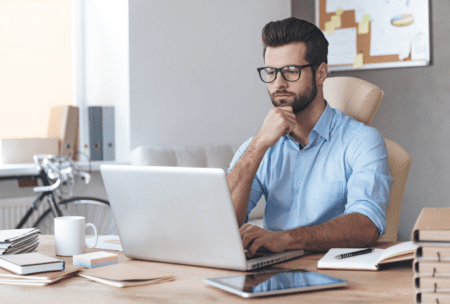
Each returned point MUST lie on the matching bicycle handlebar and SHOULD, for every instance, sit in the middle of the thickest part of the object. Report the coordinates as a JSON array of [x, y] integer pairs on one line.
[[49, 188], [58, 168]]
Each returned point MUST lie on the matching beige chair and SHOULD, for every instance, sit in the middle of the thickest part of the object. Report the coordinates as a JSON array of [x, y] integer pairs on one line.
[[360, 100]]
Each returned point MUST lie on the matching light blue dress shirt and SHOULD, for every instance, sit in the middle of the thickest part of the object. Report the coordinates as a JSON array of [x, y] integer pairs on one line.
[[343, 169]]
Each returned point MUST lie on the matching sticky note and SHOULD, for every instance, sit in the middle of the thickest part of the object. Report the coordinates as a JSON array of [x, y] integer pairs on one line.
[[336, 21], [339, 11], [363, 27], [329, 28], [95, 259], [358, 61], [366, 18]]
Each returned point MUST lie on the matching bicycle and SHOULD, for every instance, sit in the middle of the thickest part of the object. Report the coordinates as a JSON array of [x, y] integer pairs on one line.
[[54, 173]]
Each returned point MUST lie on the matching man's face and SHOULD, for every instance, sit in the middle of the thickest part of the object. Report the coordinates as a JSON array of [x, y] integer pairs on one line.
[[298, 94]]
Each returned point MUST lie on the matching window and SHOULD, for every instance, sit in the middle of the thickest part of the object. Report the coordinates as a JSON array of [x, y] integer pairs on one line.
[[35, 64]]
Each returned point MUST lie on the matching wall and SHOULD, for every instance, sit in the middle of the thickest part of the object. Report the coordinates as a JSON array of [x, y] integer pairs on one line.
[[414, 113], [101, 65], [193, 76]]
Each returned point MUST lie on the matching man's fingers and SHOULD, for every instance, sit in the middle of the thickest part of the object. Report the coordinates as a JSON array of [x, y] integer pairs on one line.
[[245, 229], [255, 246], [248, 238]]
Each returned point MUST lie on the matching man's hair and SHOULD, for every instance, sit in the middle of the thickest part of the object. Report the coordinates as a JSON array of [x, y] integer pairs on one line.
[[280, 33]]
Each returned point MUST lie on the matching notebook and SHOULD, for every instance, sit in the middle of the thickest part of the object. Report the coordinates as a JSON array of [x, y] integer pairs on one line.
[[125, 274], [179, 215], [15, 241], [370, 261], [39, 279], [432, 227], [27, 263]]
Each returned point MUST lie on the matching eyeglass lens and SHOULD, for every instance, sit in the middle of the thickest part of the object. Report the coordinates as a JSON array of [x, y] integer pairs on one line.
[[290, 73]]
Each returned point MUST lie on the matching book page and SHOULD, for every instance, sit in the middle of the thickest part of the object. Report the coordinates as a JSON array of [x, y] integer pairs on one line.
[[12, 234], [397, 250], [365, 261]]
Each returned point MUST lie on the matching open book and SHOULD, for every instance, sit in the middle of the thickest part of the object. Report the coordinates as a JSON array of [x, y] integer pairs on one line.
[[370, 261]]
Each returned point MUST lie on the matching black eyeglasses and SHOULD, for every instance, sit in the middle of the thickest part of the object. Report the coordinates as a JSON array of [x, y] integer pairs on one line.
[[289, 73]]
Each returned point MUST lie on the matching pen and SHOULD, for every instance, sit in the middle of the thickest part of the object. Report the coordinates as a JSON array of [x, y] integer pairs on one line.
[[350, 254]]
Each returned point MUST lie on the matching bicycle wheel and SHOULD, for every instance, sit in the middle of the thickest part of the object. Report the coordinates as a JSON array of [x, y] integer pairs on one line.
[[95, 210]]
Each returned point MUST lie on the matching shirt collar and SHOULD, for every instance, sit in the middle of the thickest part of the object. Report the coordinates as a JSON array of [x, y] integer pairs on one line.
[[323, 125]]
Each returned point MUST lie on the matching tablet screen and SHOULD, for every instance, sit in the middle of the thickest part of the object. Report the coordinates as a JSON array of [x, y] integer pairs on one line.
[[271, 283]]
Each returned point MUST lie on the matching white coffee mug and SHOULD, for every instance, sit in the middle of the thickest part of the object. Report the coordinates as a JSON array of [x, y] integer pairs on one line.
[[70, 238]]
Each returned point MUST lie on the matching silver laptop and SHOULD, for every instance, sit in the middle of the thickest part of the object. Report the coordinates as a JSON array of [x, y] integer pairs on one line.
[[179, 215]]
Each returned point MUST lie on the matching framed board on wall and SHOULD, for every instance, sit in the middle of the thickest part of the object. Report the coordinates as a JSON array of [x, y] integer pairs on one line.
[[374, 34]]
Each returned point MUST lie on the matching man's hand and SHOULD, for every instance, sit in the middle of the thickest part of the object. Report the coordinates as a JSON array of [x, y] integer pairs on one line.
[[254, 237], [279, 122]]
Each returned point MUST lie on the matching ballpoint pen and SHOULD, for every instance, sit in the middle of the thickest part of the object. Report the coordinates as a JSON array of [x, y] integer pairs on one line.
[[350, 254]]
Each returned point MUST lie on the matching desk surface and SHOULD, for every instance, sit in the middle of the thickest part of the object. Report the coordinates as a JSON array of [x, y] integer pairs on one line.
[[392, 284]]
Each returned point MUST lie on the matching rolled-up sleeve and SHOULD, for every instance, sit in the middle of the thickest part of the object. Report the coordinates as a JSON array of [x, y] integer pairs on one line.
[[370, 181], [257, 189]]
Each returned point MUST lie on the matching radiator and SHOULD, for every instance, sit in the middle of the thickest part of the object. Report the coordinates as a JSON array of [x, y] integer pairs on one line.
[[12, 211]]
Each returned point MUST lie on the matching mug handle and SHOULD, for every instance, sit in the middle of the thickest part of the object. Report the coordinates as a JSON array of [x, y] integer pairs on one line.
[[95, 232]]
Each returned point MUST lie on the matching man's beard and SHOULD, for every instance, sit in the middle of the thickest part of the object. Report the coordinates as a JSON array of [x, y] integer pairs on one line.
[[301, 102]]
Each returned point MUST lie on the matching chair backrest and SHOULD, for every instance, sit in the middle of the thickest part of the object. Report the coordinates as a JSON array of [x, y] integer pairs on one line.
[[360, 99]]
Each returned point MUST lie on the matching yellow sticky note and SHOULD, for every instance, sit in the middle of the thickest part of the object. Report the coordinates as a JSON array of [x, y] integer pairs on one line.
[[329, 28], [363, 27], [336, 21], [339, 11], [358, 61], [366, 18]]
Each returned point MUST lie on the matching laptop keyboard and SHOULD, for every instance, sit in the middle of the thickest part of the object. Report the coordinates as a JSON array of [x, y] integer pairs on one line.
[[256, 255]]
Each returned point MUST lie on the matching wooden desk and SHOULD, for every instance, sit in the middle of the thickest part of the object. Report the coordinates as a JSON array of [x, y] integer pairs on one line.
[[393, 284]]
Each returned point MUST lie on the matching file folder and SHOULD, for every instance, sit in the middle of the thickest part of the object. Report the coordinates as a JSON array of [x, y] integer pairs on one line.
[[63, 124], [108, 133], [95, 133]]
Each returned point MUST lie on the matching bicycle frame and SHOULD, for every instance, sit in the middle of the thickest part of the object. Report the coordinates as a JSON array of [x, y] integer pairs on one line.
[[51, 199]]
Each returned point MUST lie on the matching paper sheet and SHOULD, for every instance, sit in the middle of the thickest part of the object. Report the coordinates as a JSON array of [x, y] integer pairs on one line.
[[334, 5], [358, 61], [419, 47], [343, 44], [387, 39], [109, 242]]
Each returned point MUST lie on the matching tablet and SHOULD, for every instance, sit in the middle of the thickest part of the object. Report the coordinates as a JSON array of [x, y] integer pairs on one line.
[[275, 283]]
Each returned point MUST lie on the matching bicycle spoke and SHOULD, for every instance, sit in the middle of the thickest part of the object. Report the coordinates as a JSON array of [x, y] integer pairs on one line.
[[94, 210]]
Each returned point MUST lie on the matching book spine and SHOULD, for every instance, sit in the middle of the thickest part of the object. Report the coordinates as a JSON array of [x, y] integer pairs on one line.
[[431, 269]]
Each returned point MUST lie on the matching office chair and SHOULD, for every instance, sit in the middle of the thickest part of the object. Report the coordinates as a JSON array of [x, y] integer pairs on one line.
[[361, 99]]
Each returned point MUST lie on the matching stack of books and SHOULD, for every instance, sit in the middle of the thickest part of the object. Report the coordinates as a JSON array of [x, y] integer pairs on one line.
[[33, 269], [431, 265], [38, 279], [16, 241]]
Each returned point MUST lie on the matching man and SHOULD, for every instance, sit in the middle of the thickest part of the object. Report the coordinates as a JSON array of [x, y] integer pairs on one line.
[[324, 176]]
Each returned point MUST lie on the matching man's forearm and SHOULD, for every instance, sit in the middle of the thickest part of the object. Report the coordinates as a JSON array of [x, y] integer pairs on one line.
[[241, 177], [350, 230]]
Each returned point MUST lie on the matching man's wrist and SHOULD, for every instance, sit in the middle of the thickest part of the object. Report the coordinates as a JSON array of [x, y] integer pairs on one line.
[[260, 144], [286, 239]]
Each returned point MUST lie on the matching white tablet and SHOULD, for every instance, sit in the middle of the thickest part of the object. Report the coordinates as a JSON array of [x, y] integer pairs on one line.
[[275, 283]]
